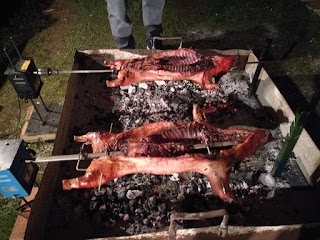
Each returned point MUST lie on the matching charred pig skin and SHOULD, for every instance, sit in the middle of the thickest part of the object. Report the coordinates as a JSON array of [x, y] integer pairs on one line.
[[173, 65]]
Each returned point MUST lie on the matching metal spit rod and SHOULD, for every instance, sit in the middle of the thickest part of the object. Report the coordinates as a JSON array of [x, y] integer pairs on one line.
[[71, 157], [48, 71], [90, 156]]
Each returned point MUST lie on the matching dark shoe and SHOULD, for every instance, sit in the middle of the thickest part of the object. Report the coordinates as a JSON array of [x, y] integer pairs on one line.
[[131, 43], [154, 44], [125, 42]]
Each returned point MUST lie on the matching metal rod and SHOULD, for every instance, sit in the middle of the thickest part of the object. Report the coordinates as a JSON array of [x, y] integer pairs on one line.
[[35, 107], [255, 80], [89, 156], [111, 125], [47, 71], [45, 106], [166, 38], [274, 60], [84, 71], [70, 157], [15, 46], [223, 228], [100, 182], [26, 202], [214, 145], [11, 63]]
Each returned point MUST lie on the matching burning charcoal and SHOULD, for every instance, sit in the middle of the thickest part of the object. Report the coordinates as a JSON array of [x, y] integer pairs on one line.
[[146, 221], [145, 207], [121, 193], [132, 205], [103, 207], [138, 211], [106, 190], [152, 202], [162, 208], [159, 218], [174, 177], [133, 194], [132, 90], [96, 192], [126, 217], [282, 184], [123, 93], [267, 179], [271, 194], [239, 185], [143, 85]]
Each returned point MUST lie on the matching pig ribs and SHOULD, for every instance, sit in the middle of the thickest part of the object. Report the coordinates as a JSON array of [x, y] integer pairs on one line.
[[163, 138], [181, 64]]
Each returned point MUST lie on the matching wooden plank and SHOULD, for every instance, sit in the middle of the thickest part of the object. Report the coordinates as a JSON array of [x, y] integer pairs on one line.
[[35, 130], [306, 151], [20, 225]]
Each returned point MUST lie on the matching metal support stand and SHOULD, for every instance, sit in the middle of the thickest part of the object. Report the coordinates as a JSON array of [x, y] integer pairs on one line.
[[21, 209], [255, 80], [223, 228], [45, 106], [38, 112]]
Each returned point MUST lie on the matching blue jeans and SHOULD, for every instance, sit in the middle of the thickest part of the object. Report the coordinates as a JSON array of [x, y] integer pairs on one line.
[[121, 25]]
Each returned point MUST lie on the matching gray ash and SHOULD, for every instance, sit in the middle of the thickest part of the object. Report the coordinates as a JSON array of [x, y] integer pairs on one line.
[[159, 101], [143, 203]]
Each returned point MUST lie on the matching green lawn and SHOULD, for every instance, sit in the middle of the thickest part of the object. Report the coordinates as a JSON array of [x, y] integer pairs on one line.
[[7, 216], [51, 31]]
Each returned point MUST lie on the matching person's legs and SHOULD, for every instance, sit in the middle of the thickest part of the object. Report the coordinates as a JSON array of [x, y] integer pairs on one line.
[[152, 11], [120, 23]]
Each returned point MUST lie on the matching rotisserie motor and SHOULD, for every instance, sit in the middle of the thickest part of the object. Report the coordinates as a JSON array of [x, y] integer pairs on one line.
[[181, 64], [170, 152]]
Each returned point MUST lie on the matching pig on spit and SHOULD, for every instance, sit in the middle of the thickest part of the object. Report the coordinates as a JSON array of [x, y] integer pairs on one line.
[[216, 166], [180, 64]]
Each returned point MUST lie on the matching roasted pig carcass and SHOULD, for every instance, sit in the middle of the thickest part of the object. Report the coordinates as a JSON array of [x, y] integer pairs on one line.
[[163, 139], [217, 169], [180, 64], [150, 148]]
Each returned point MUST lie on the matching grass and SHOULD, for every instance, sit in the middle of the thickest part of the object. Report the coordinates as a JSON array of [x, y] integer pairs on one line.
[[51, 31], [7, 216]]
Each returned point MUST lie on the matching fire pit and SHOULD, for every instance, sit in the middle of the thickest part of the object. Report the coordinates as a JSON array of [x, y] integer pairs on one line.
[[142, 203]]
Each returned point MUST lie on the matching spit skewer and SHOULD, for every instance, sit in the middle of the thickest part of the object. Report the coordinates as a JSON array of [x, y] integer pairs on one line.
[[90, 156], [48, 71]]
